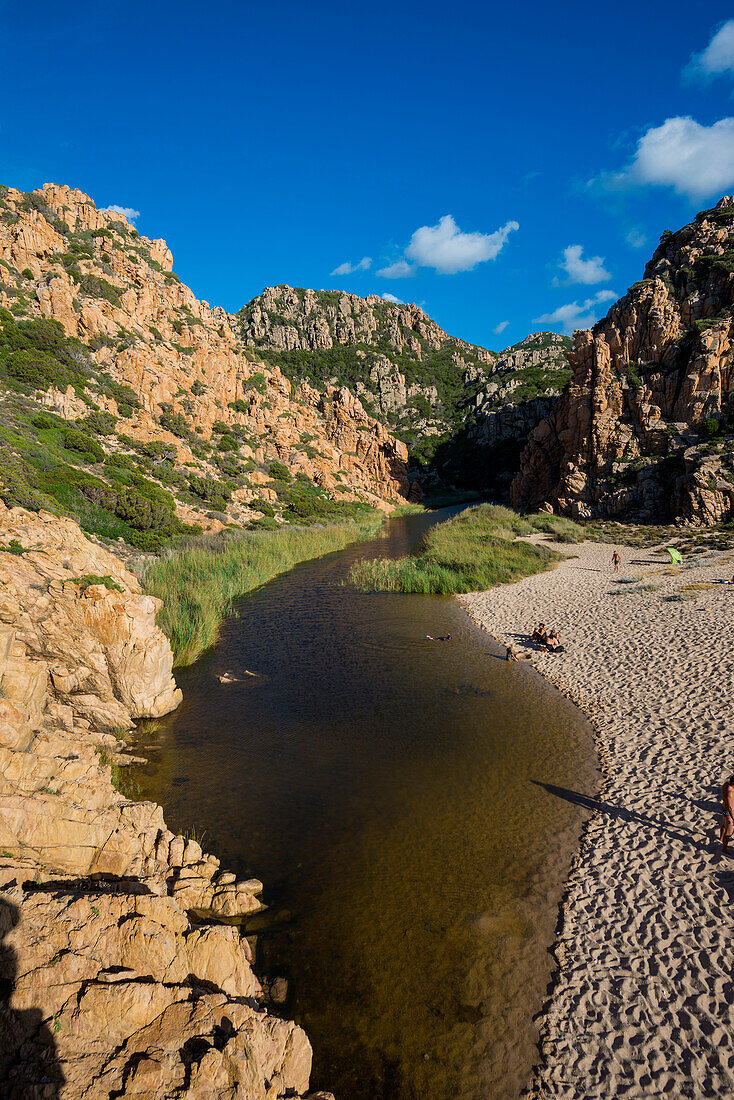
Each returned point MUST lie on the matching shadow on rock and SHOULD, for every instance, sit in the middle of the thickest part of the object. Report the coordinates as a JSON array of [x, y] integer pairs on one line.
[[29, 1064]]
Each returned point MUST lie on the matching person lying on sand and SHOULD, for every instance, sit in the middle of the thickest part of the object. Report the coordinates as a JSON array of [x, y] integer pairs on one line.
[[727, 816], [553, 641], [539, 636]]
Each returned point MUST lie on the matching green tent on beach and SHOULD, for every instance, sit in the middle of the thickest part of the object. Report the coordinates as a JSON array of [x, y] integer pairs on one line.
[[675, 556]]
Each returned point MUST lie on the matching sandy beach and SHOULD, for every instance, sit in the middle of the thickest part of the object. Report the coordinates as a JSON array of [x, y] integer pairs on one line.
[[642, 1005]]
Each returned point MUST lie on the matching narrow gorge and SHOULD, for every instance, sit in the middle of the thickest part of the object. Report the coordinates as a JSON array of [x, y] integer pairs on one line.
[[139, 425]]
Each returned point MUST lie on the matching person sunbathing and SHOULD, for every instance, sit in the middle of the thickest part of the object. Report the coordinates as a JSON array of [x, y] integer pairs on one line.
[[539, 636], [553, 641]]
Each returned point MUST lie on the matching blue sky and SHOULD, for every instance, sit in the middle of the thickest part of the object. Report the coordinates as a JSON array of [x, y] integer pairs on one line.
[[511, 164]]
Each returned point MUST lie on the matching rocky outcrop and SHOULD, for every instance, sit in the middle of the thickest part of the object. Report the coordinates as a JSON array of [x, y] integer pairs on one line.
[[184, 365], [425, 385], [641, 430], [117, 977]]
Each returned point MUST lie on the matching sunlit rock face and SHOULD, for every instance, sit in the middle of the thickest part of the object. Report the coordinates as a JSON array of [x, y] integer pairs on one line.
[[119, 979], [643, 428], [115, 290]]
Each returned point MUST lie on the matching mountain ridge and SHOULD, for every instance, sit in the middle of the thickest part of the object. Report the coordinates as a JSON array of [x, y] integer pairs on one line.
[[422, 383]]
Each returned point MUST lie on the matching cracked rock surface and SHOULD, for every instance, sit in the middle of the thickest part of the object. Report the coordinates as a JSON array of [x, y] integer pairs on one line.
[[117, 978]]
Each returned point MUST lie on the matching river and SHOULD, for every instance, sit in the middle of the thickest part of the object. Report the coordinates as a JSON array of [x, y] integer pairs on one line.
[[388, 791]]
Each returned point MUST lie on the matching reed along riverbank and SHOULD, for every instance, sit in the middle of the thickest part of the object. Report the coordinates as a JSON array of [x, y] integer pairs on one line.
[[199, 583], [477, 549]]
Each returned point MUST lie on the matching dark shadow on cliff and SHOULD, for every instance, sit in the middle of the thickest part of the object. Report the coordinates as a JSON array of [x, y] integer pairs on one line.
[[620, 813], [29, 1064], [91, 884]]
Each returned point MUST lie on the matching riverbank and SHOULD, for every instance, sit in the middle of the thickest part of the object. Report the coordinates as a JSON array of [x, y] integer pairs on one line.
[[199, 584], [643, 991], [477, 549], [120, 971], [381, 782]]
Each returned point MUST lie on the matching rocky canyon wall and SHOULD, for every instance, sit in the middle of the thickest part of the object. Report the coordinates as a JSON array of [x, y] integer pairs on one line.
[[644, 428], [122, 967]]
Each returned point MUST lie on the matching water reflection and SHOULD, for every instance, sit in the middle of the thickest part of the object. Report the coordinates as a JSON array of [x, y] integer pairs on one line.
[[381, 785]]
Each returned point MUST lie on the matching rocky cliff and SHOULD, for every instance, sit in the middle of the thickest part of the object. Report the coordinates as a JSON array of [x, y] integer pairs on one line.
[[118, 975], [425, 385], [645, 427], [155, 415]]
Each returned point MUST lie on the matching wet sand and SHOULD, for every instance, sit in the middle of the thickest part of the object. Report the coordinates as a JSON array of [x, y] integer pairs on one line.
[[642, 1004]]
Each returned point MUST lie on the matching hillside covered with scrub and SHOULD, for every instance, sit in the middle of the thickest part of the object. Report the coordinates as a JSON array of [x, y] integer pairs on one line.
[[427, 387], [130, 405]]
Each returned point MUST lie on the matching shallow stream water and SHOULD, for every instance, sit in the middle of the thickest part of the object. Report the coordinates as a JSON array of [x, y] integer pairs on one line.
[[388, 790]]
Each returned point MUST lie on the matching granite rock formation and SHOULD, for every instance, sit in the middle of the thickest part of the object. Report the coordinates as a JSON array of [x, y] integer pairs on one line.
[[118, 976], [426, 386], [163, 368], [642, 430]]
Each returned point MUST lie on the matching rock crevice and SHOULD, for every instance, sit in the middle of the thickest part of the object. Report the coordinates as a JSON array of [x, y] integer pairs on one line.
[[119, 977]]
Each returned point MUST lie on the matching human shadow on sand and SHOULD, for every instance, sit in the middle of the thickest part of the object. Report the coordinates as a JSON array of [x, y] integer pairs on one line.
[[29, 1063], [621, 814]]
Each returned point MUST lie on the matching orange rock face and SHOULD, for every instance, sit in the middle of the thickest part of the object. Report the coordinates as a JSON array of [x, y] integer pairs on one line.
[[123, 969], [116, 292], [651, 385]]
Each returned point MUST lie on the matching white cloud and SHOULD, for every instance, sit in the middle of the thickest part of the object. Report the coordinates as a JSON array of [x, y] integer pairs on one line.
[[349, 269], [500, 328], [576, 314], [391, 298], [126, 211], [401, 269], [583, 271], [695, 160], [718, 57], [635, 238], [446, 249]]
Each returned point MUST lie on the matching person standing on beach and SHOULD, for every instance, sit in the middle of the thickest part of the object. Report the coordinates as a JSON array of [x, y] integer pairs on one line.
[[616, 559], [727, 816]]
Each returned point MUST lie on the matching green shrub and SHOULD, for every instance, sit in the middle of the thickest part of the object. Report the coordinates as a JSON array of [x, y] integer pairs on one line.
[[279, 472], [228, 443], [256, 381], [215, 493], [82, 444], [157, 450], [38, 354], [175, 422], [27, 273], [101, 422], [260, 505], [18, 482], [89, 579], [43, 421], [14, 547], [97, 287], [122, 462], [711, 425]]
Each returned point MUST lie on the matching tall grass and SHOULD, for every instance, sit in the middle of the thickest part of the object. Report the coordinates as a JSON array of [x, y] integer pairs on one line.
[[199, 583], [475, 550]]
